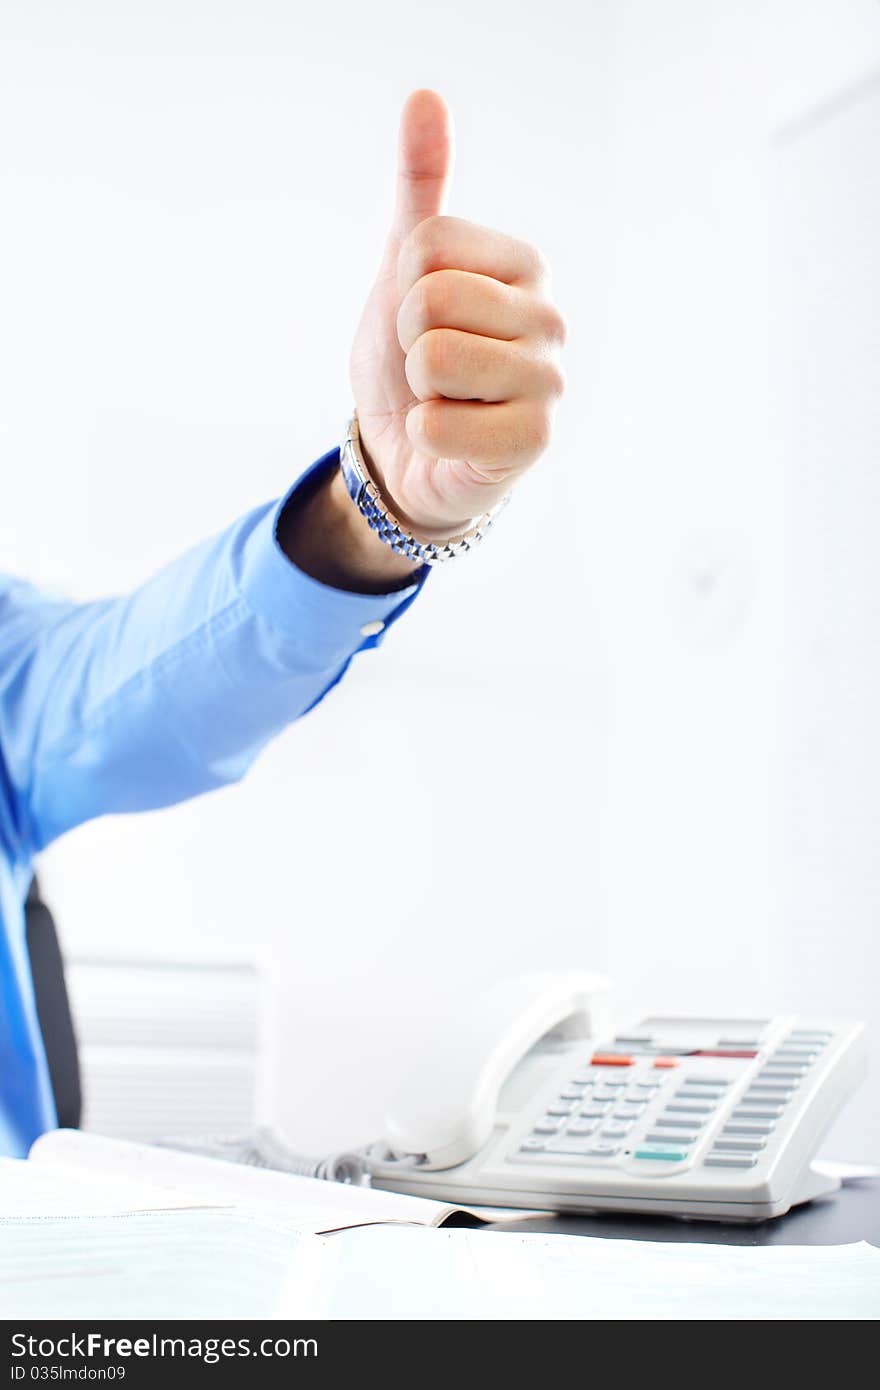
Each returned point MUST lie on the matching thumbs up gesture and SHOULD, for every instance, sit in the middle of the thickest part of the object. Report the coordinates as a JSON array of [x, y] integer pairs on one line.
[[455, 363]]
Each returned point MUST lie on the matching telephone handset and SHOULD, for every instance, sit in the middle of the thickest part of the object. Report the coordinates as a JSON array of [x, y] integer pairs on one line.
[[528, 1099], [445, 1111]]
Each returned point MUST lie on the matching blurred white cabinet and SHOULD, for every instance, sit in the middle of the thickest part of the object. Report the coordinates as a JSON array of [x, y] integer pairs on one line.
[[167, 1048]]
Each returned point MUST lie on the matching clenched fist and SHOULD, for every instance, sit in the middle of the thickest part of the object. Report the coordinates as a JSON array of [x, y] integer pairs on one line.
[[455, 364]]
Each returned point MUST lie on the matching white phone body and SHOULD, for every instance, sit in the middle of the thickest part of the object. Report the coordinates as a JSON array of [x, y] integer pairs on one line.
[[697, 1117]]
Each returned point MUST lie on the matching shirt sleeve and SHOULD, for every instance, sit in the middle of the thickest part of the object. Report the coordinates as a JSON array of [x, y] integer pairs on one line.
[[136, 702]]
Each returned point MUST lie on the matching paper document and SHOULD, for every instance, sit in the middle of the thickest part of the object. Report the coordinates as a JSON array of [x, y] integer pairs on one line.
[[846, 1172], [70, 1173], [158, 1178], [163, 1265], [401, 1273], [42, 1190], [214, 1265]]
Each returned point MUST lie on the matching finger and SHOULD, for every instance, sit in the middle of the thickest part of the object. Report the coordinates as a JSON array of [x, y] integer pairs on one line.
[[424, 161], [507, 437], [475, 304], [468, 367], [450, 243]]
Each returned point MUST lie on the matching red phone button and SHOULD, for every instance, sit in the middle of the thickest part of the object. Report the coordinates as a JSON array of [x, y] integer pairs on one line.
[[611, 1059], [665, 1061]]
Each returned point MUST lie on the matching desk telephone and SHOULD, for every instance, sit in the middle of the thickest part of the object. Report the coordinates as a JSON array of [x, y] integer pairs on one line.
[[533, 1100]]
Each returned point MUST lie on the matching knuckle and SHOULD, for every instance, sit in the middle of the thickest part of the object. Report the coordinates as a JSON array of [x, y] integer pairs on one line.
[[402, 324], [425, 242], [538, 431], [437, 348], [538, 263], [431, 229], [555, 379], [555, 325], [435, 296], [430, 423]]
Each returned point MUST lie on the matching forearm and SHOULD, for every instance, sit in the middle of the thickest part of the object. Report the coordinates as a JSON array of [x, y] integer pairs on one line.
[[324, 534], [141, 701]]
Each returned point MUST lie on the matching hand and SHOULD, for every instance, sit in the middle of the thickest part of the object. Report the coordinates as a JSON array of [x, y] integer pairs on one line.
[[455, 364]]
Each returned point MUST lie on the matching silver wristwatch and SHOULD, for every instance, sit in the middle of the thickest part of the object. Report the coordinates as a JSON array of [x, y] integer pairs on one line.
[[368, 500]]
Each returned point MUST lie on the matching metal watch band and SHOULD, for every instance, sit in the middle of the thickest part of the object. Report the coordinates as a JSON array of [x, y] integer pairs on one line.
[[368, 500]]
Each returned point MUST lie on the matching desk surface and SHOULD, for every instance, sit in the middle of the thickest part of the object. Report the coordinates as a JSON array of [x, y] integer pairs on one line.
[[851, 1214]]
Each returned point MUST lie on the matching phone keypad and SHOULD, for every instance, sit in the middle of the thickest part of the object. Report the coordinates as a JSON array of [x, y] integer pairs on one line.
[[594, 1116], [625, 1105], [772, 1088]]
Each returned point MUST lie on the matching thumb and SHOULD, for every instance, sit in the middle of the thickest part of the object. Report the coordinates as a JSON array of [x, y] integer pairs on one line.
[[424, 161]]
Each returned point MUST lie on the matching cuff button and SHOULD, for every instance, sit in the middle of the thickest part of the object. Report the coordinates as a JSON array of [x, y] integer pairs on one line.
[[372, 629]]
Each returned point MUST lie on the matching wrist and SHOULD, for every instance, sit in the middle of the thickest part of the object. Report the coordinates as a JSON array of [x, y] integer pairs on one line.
[[435, 532], [389, 526], [323, 533]]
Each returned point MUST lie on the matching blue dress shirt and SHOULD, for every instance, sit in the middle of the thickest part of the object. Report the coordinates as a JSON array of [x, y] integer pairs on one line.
[[132, 703]]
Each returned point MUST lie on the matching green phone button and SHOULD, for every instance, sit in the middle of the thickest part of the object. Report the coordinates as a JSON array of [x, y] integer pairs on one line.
[[667, 1155]]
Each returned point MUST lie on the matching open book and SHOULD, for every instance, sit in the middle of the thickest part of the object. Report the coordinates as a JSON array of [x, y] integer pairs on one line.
[[215, 1264], [101, 1228], [70, 1173]]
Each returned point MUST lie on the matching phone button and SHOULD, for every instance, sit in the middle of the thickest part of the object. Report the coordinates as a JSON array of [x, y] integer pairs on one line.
[[586, 1148], [663, 1139], [612, 1059], [580, 1127], [663, 1155], [769, 1114], [665, 1061], [730, 1161], [771, 1088], [726, 1052], [739, 1145], [533, 1145]]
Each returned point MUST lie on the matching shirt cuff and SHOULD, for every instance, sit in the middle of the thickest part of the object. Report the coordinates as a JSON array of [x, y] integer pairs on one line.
[[333, 623]]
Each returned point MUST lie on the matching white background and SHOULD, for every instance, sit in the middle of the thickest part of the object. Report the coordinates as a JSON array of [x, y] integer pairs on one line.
[[637, 732]]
